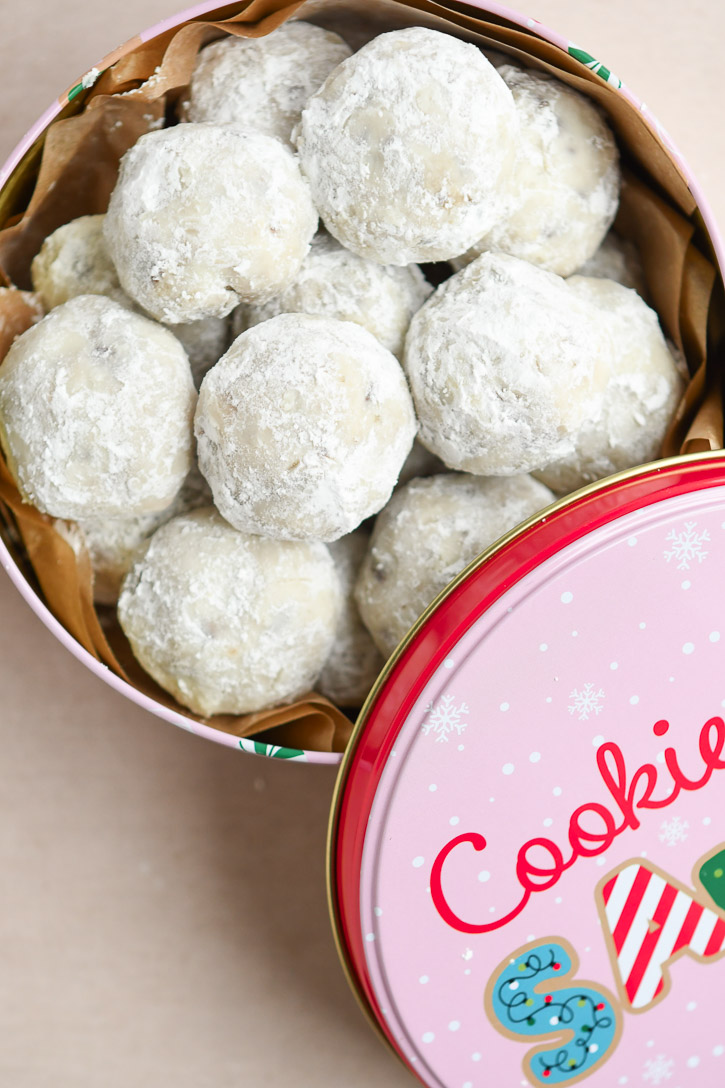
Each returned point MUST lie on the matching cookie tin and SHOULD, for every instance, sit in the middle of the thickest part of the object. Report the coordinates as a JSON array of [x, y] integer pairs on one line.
[[23, 160], [527, 846]]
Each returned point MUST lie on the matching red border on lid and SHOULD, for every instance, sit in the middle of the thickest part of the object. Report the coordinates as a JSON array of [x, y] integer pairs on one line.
[[463, 605]]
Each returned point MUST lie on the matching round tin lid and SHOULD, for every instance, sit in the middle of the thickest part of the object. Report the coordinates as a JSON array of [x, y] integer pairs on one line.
[[527, 850]]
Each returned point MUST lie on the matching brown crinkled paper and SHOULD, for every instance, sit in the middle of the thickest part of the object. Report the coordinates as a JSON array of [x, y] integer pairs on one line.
[[77, 173]]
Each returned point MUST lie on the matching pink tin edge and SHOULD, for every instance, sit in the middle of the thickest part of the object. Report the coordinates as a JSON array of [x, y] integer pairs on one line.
[[16, 155]]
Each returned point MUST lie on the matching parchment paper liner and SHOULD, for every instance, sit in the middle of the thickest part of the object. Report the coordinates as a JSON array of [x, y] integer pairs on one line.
[[78, 171]]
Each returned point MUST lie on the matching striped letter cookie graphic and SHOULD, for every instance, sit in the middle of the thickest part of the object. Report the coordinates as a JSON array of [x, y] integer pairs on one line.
[[650, 919]]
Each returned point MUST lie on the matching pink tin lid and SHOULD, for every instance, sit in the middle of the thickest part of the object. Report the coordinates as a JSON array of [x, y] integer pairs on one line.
[[527, 848]]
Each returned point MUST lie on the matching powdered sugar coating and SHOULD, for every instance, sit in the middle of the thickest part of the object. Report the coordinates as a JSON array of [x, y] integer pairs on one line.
[[355, 661], [114, 544], [430, 530], [635, 386], [74, 260], [489, 358], [617, 259], [263, 83], [204, 216], [334, 282], [562, 195], [228, 622], [96, 404], [302, 428], [405, 145], [513, 369]]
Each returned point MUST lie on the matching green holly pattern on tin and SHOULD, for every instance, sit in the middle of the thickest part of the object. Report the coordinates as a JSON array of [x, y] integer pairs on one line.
[[274, 751], [594, 65]]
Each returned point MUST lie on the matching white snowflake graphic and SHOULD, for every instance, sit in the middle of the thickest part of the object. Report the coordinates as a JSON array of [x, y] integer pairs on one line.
[[445, 718], [687, 545], [586, 702], [658, 1069], [674, 831]]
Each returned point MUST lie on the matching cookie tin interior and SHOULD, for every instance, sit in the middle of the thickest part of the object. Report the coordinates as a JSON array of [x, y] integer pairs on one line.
[[527, 846], [17, 177]]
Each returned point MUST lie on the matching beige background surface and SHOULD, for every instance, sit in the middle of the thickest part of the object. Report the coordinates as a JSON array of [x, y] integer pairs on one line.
[[162, 902]]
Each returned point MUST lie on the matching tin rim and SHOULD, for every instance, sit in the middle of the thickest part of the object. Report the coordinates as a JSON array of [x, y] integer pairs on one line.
[[23, 153], [430, 641]]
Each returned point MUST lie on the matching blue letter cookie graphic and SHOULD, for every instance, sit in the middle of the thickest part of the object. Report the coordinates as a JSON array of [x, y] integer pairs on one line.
[[532, 996]]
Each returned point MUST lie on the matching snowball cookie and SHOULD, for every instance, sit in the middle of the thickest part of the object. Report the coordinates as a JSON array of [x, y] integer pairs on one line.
[[405, 145], [634, 388], [429, 531], [74, 260], [334, 282], [263, 83], [114, 544], [227, 622], [96, 405], [206, 216], [617, 259], [562, 195], [355, 661], [302, 428], [513, 369]]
